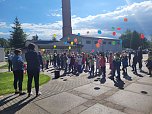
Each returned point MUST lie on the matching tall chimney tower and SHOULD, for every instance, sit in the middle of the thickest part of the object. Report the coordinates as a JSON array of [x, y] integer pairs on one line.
[[66, 18]]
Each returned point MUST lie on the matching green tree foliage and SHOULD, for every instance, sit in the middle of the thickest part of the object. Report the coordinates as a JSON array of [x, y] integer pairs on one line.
[[132, 40], [4, 42], [18, 37]]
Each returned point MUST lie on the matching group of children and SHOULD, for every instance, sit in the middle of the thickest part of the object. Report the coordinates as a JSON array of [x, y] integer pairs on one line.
[[95, 64]]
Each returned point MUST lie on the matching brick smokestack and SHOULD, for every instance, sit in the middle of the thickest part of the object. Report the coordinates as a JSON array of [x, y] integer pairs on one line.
[[66, 18]]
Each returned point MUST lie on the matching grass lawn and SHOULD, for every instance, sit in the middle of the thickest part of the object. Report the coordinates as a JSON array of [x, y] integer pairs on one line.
[[6, 82]]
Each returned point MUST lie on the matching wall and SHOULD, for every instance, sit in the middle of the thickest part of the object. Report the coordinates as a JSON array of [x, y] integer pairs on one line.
[[2, 55]]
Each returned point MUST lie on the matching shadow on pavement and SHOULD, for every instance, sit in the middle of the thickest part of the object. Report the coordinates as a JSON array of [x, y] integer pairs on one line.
[[17, 106]]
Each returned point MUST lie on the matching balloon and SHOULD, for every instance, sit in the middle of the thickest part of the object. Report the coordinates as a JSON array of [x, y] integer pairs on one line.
[[87, 32], [142, 36], [54, 35], [118, 28], [97, 45], [99, 41], [69, 47], [113, 42], [54, 46], [125, 19], [79, 34], [114, 33], [75, 40], [65, 43], [92, 51], [72, 43], [68, 38], [113, 28], [99, 32]]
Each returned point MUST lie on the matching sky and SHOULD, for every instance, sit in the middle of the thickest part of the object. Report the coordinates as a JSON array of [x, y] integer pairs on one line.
[[44, 17]]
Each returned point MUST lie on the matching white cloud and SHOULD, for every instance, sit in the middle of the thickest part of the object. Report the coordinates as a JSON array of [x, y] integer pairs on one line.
[[3, 25], [55, 13], [139, 18]]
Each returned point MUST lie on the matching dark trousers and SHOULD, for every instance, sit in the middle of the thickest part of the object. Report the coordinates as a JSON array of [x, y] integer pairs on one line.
[[118, 72], [47, 64], [92, 70], [33, 73], [140, 64], [18, 79], [134, 68], [103, 72], [79, 69], [9, 65]]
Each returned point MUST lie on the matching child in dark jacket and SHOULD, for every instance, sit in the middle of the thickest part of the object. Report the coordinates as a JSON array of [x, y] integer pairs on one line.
[[116, 66], [135, 60]]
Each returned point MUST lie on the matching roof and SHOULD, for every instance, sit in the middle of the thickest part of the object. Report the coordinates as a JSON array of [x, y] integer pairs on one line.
[[42, 41], [89, 36]]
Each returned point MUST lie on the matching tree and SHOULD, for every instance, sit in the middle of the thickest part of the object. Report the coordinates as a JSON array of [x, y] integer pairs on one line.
[[35, 38], [132, 40], [4, 42], [18, 37]]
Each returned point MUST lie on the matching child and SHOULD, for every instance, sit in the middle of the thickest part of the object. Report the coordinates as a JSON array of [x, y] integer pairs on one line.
[[135, 60], [110, 62], [149, 63], [116, 67], [103, 65], [97, 64], [91, 61], [124, 64]]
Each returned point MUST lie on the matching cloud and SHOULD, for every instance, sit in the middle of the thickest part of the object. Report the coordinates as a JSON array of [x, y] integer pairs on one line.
[[3, 25], [139, 18], [55, 13]]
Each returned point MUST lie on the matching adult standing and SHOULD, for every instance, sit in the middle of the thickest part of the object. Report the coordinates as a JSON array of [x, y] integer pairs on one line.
[[33, 68], [18, 69]]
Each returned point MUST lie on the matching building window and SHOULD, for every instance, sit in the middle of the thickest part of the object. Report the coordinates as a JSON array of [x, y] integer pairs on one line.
[[95, 42], [109, 42], [88, 42], [104, 42]]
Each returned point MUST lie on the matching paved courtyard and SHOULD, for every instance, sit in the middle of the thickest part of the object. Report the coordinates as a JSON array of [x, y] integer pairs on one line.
[[80, 95]]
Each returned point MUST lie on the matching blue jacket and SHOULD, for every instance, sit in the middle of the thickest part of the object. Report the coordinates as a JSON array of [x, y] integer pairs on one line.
[[32, 59], [18, 63]]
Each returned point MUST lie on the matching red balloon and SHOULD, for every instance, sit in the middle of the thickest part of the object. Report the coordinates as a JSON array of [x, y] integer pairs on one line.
[[125, 19], [119, 28], [99, 41], [114, 33], [142, 36]]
